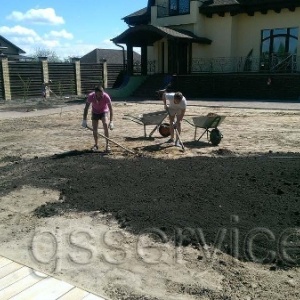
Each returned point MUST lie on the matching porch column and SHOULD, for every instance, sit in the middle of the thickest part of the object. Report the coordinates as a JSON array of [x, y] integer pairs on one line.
[[144, 60], [129, 59]]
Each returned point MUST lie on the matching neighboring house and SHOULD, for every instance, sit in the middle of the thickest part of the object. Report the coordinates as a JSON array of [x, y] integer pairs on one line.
[[112, 56], [13, 52], [192, 36]]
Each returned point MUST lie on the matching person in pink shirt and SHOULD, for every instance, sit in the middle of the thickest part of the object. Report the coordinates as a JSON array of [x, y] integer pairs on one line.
[[101, 105]]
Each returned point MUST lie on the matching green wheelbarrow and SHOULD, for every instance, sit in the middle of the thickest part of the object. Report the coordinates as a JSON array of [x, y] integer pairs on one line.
[[210, 125]]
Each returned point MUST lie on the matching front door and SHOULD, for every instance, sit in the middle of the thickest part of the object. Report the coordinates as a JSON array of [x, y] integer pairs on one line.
[[177, 57]]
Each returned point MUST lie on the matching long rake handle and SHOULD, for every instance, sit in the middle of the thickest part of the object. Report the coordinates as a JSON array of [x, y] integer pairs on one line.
[[102, 135], [179, 138]]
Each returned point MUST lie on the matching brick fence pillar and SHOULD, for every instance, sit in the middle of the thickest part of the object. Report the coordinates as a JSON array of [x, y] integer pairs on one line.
[[45, 75], [76, 62], [104, 73], [5, 76]]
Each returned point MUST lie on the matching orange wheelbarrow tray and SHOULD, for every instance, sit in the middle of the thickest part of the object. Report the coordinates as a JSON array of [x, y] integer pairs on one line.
[[153, 118], [210, 125]]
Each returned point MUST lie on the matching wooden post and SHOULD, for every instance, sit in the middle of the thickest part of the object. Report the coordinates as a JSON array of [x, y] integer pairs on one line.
[[5, 76]]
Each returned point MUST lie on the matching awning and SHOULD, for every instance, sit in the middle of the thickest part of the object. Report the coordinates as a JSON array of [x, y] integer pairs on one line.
[[147, 35]]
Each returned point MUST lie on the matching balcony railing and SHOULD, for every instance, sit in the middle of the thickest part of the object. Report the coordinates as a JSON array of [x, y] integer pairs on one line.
[[273, 64], [254, 64], [151, 66]]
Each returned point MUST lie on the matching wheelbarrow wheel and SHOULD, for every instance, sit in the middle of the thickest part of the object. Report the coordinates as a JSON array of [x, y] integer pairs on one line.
[[215, 136], [164, 129]]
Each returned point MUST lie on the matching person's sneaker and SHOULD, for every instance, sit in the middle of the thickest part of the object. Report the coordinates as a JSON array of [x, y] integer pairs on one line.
[[94, 148], [108, 150], [177, 143], [169, 141]]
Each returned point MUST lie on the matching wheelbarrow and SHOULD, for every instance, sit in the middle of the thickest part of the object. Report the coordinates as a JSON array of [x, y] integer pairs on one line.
[[154, 118], [210, 125]]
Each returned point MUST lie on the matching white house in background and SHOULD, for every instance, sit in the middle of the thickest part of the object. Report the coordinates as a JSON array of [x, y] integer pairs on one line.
[[191, 36]]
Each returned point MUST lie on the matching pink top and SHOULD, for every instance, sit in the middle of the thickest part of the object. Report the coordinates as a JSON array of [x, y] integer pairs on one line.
[[99, 106]]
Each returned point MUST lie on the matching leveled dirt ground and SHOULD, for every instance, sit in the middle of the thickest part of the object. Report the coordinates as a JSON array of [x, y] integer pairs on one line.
[[208, 223]]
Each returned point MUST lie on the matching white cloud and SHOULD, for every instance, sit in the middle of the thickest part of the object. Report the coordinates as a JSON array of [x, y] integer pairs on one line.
[[60, 34], [17, 31], [109, 44], [50, 44], [76, 49], [28, 40], [37, 16], [58, 41]]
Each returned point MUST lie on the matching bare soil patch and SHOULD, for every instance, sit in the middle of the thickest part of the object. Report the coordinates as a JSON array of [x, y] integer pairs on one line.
[[208, 223]]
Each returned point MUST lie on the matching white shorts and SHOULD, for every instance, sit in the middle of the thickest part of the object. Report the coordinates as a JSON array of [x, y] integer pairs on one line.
[[174, 111]]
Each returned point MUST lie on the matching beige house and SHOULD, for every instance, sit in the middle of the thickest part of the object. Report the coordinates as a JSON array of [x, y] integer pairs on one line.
[[225, 36]]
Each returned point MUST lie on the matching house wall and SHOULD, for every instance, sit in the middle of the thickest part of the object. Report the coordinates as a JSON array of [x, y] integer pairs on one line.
[[237, 35], [232, 36], [219, 30], [186, 22], [249, 29]]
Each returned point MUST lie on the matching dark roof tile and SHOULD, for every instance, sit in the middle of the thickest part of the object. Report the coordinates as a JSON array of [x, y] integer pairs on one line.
[[112, 56]]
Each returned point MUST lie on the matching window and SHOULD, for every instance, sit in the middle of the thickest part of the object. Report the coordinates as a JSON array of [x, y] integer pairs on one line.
[[277, 45], [179, 7]]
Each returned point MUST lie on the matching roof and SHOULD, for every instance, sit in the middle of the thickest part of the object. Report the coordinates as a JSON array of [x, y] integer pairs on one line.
[[143, 16], [138, 13], [139, 17], [146, 35], [112, 56], [247, 2], [2, 38], [245, 6]]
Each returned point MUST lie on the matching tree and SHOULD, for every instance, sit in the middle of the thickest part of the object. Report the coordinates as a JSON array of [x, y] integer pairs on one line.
[[50, 54]]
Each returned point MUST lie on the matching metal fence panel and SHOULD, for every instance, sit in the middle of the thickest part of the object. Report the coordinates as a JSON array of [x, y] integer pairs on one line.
[[25, 79], [91, 75], [63, 78], [113, 73]]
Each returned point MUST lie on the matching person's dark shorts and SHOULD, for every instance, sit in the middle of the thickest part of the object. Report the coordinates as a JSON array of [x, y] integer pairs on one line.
[[98, 116]]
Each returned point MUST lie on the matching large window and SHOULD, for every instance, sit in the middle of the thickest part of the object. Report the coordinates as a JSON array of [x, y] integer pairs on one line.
[[179, 7], [278, 45]]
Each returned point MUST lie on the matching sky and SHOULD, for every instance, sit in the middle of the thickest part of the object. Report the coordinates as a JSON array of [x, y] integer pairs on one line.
[[69, 28]]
